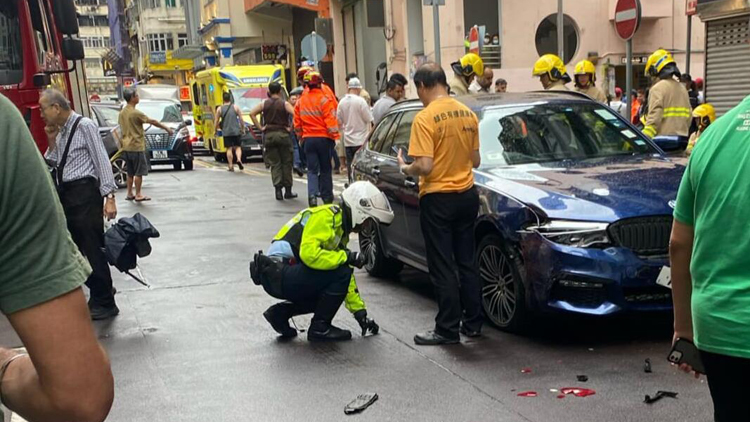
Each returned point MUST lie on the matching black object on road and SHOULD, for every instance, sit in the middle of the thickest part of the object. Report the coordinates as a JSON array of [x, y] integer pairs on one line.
[[127, 240], [362, 402], [582, 378], [659, 395], [647, 366]]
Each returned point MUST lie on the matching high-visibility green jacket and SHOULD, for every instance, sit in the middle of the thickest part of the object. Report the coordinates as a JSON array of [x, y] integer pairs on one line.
[[317, 238]]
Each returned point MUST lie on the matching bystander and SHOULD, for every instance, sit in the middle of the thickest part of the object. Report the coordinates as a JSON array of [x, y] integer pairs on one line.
[[394, 92], [355, 119], [501, 85], [228, 117]]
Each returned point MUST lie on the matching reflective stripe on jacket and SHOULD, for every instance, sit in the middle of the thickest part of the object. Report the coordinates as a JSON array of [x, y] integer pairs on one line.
[[668, 110], [318, 240], [315, 116]]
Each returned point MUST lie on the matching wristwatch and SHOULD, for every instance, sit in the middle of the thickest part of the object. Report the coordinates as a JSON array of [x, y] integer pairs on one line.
[[111, 196]]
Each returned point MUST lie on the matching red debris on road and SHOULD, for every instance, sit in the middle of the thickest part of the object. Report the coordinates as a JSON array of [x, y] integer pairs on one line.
[[578, 392], [528, 394]]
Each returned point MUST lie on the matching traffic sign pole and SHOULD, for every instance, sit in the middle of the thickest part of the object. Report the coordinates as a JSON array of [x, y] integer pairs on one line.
[[627, 20], [629, 78], [314, 51]]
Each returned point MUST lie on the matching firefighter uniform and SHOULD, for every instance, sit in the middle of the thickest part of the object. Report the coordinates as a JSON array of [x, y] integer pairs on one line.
[[465, 70], [667, 119], [585, 67], [594, 92]]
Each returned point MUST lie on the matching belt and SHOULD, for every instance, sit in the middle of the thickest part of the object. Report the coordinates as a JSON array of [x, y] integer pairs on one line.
[[81, 182], [282, 260]]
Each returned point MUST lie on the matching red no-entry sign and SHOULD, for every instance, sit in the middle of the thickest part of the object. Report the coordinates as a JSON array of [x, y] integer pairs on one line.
[[627, 18]]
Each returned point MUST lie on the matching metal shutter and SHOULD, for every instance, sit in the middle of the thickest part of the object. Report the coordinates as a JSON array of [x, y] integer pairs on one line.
[[727, 62]]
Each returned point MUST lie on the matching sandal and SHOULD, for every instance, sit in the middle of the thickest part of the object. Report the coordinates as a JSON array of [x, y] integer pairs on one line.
[[145, 198], [129, 198]]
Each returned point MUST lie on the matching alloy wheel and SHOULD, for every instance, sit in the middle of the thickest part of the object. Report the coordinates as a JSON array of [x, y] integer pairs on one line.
[[119, 172], [498, 286], [367, 244]]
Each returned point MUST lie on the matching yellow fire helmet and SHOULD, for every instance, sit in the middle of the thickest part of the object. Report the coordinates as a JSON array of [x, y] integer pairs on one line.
[[586, 67], [551, 65], [470, 64], [657, 61], [705, 111]]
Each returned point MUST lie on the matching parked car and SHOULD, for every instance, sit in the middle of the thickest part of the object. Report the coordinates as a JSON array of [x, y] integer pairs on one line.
[[160, 147], [575, 215], [106, 116]]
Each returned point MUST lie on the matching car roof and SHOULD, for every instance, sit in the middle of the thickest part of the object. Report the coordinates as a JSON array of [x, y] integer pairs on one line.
[[481, 101]]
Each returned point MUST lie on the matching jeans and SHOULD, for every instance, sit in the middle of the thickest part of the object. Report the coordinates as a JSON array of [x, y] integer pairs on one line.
[[447, 221], [280, 155], [336, 159], [726, 376], [84, 209], [319, 178], [299, 153]]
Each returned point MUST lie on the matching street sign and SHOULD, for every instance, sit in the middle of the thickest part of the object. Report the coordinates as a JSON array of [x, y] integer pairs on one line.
[[157, 57], [691, 7], [314, 47], [627, 18], [474, 40]]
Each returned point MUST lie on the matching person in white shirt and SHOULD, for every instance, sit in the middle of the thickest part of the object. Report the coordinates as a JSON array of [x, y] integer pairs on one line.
[[483, 85], [617, 104], [355, 120]]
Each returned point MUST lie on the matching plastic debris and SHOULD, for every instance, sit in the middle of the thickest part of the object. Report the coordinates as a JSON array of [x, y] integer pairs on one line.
[[526, 370], [362, 402], [578, 392], [647, 366], [553, 390], [659, 395], [561, 396], [582, 378], [528, 394]]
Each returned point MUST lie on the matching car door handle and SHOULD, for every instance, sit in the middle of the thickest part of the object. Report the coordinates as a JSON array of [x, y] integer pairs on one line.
[[410, 183], [376, 171]]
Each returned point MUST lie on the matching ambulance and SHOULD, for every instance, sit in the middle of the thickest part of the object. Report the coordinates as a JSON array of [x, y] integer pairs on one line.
[[248, 86]]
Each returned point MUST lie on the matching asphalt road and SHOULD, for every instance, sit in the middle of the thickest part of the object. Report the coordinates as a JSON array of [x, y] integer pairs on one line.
[[195, 347]]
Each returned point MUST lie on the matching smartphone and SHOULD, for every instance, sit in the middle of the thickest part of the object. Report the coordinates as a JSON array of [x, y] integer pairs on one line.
[[684, 351], [407, 159]]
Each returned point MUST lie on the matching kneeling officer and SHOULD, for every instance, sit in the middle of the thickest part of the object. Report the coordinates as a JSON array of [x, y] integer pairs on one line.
[[309, 266]]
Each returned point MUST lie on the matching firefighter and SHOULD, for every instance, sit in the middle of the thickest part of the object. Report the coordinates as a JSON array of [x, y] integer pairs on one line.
[[668, 114], [703, 115], [551, 72], [310, 267], [465, 70], [585, 81]]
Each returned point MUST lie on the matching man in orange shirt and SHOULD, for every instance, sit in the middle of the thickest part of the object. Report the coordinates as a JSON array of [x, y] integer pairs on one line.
[[317, 126], [445, 145]]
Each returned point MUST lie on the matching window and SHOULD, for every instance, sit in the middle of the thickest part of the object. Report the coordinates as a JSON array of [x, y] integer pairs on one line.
[[402, 134], [204, 96], [182, 40], [170, 3], [547, 133], [546, 37], [11, 53], [160, 42], [101, 20], [45, 45], [92, 63], [95, 42], [150, 4], [381, 131]]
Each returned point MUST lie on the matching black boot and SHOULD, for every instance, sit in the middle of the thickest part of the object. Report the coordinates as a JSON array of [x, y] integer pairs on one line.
[[312, 202], [321, 328], [278, 316], [288, 194], [279, 195]]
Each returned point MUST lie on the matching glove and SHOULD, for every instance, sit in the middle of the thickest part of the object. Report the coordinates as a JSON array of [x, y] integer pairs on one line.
[[366, 323], [355, 259]]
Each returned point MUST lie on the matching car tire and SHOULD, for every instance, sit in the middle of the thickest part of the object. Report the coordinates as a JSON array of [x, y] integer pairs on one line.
[[119, 171], [503, 292], [187, 165], [177, 166], [378, 264]]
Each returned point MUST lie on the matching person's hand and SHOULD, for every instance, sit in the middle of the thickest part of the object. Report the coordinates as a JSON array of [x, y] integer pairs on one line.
[[170, 131], [355, 259], [683, 366], [110, 209], [401, 161], [263, 128], [365, 323], [51, 131]]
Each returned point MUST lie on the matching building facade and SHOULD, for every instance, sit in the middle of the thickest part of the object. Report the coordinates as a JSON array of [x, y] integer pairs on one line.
[[94, 32]]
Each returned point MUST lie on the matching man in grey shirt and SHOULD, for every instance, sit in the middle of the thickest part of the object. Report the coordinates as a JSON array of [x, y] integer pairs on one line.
[[393, 94]]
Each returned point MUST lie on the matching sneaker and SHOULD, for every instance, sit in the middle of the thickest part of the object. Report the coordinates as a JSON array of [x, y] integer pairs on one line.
[[100, 312], [432, 338]]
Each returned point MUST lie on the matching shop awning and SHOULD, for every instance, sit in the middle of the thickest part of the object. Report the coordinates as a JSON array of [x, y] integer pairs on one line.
[[188, 52]]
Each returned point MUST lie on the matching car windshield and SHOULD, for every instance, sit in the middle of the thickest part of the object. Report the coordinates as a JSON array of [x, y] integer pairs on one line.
[[247, 98], [108, 116], [163, 111], [536, 133]]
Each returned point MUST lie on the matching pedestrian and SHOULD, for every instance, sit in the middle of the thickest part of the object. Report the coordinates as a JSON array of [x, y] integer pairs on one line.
[[337, 153], [310, 268], [703, 116], [316, 124], [63, 373], [638, 98], [501, 85], [277, 141], [617, 104], [300, 162], [445, 146], [699, 87], [131, 121], [668, 114], [228, 117], [551, 72], [483, 84], [691, 88], [355, 121], [709, 252], [86, 188], [363, 93], [585, 81], [465, 70], [394, 92]]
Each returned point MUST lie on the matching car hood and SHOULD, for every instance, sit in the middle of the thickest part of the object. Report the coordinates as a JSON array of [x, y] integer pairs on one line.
[[605, 190], [154, 129]]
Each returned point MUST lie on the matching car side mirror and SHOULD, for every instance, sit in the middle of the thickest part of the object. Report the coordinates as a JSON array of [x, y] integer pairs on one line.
[[66, 17], [41, 80], [72, 49]]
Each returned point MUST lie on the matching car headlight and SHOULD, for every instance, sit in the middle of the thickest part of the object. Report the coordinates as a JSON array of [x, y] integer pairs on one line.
[[581, 234]]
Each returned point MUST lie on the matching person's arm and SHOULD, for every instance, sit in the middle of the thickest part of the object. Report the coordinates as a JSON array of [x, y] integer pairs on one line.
[[680, 253], [654, 113], [160, 125], [297, 120], [476, 159], [240, 120], [254, 112], [329, 114], [51, 131], [217, 118], [102, 166], [422, 166], [289, 108]]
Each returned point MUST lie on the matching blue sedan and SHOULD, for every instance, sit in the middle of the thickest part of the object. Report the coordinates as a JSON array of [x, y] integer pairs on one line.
[[575, 215]]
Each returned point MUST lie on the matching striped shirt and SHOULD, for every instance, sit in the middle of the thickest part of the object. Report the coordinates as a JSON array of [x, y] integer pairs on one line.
[[87, 156]]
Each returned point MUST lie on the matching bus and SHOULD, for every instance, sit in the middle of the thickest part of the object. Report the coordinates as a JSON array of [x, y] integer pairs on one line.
[[37, 51]]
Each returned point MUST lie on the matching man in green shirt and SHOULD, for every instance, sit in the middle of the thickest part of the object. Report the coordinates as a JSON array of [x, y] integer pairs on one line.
[[66, 375], [710, 259]]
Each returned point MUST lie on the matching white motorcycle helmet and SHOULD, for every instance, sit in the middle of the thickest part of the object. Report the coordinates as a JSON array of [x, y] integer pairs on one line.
[[362, 200]]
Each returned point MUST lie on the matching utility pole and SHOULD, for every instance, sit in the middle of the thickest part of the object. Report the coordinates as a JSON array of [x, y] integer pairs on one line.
[[436, 25], [689, 43], [560, 30]]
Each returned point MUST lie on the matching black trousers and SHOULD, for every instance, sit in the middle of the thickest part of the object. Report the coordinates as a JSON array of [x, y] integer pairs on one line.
[[84, 209], [447, 221], [727, 376], [302, 284], [319, 179]]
